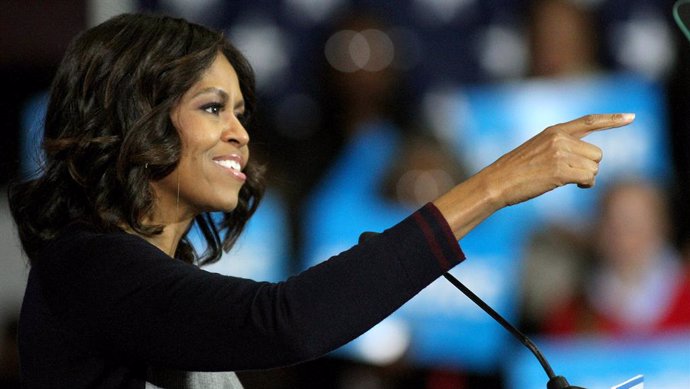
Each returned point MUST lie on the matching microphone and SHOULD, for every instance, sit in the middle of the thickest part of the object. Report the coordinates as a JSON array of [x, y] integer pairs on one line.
[[555, 382]]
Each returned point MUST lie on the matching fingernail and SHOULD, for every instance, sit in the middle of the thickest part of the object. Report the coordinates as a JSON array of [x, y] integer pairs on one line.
[[628, 116]]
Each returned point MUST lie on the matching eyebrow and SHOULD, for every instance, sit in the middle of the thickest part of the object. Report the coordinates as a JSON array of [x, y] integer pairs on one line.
[[223, 94]]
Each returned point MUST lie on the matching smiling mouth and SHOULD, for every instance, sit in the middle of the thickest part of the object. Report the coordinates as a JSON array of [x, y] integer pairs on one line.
[[229, 164], [233, 167]]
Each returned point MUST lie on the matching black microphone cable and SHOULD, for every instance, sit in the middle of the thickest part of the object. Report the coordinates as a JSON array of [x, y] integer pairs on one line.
[[496, 316], [555, 382]]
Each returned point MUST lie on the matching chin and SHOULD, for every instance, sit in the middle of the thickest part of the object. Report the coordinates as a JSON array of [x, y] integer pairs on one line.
[[219, 207], [228, 207], [225, 201]]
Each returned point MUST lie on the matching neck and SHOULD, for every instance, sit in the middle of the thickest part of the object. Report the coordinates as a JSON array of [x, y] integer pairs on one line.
[[175, 222], [168, 240], [173, 216]]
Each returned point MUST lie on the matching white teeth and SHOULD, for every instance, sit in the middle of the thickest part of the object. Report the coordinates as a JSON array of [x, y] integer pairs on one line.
[[230, 164]]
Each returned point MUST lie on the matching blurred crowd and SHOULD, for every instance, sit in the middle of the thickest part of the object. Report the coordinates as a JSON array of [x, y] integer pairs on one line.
[[346, 125]]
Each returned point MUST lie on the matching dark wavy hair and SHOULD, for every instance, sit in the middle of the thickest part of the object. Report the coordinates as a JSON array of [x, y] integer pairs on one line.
[[108, 133]]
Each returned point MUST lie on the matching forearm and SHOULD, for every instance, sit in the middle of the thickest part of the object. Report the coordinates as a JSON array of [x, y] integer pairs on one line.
[[468, 204]]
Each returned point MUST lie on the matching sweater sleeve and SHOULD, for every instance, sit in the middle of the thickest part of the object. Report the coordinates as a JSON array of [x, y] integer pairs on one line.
[[134, 303]]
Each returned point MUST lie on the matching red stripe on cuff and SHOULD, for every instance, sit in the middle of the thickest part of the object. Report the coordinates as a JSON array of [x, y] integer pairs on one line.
[[450, 237], [431, 240]]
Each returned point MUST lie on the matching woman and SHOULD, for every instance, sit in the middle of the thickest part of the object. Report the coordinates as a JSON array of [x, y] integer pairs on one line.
[[144, 135]]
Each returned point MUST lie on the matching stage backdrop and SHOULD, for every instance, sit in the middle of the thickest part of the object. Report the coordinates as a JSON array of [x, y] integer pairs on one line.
[[440, 326]]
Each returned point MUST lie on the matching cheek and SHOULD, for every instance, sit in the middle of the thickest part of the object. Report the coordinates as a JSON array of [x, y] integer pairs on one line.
[[196, 143]]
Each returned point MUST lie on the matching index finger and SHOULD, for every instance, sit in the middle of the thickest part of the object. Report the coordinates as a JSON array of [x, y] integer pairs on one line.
[[596, 122]]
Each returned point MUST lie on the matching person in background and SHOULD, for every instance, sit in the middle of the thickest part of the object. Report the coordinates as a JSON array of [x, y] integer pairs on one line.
[[562, 44], [638, 283], [562, 39]]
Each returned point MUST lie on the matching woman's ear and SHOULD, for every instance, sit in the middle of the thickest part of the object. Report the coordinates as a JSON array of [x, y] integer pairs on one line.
[[175, 115]]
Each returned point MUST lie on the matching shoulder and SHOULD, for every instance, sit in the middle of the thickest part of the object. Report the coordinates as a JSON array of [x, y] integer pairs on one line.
[[81, 250], [93, 269], [81, 238]]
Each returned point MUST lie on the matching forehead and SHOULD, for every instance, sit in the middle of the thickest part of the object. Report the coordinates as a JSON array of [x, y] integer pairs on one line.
[[220, 75]]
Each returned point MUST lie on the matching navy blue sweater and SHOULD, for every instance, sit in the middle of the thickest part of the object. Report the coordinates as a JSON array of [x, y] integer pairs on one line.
[[100, 309]]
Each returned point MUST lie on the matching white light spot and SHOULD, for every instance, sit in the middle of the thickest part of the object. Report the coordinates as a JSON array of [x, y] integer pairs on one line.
[[381, 50], [337, 51], [98, 11], [503, 53], [644, 44], [440, 11], [442, 106], [422, 186], [384, 343], [359, 50], [348, 51], [195, 10], [312, 11], [266, 46]]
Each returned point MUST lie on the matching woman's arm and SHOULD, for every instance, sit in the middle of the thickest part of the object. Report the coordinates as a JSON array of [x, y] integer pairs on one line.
[[555, 157], [118, 296]]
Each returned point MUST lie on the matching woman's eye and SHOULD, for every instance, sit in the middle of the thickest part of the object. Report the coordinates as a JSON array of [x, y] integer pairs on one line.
[[213, 108]]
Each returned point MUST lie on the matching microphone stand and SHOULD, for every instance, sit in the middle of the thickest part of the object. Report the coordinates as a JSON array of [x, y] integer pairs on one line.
[[555, 382]]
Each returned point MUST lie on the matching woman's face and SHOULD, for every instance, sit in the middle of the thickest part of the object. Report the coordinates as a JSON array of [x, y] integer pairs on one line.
[[214, 147]]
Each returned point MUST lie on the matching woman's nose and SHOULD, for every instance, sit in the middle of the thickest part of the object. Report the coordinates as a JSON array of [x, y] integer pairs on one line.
[[235, 132]]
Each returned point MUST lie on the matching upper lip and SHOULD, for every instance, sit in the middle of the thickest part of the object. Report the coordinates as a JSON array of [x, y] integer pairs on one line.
[[231, 157]]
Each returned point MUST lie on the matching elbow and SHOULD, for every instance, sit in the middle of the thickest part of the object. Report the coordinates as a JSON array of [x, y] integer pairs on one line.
[[302, 345]]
